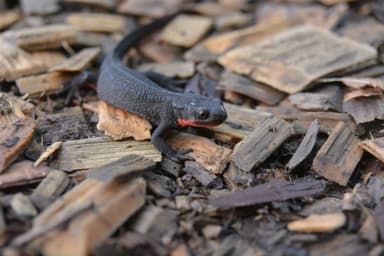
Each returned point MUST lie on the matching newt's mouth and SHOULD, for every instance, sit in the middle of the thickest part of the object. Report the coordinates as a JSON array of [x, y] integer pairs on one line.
[[184, 123]]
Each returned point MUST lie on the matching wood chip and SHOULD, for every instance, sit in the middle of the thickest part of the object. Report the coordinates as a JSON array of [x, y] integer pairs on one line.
[[365, 109], [375, 147], [78, 62], [268, 192], [120, 124], [36, 85], [96, 152], [7, 18], [231, 20], [113, 201], [211, 231], [261, 143], [367, 31], [15, 63], [177, 69], [23, 206], [357, 82], [291, 60], [232, 82], [339, 155], [318, 223], [151, 8], [201, 175], [47, 153], [305, 147], [367, 92], [41, 38], [186, 30], [13, 140], [106, 4], [41, 7], [97, 22], [125, 167], [206, 153], [48, 58]]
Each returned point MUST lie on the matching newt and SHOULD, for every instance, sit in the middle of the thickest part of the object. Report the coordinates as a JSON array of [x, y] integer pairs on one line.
[[132, 91]]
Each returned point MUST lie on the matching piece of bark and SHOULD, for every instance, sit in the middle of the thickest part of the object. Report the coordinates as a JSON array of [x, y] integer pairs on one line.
[[211, 231], [261, 143], [171, 167], [291, 60], [375, 147], [365, 109], [318, 223], [201, 175], [206, 153], [78, 62], [52, 186], [23, 206], [48, 152], [160, 53], [120, 124], [176, 69], [236, 178], [7, 18], [268, 192], [367, 31], [22, 173], [379, 218], [151, 8], [48, 58], [212, 47], [125, 167], [41, 38], [159, 185], [244, 116], [38, 84], [97, 22], [231, 20], [112, 201], [233, 82], [13, 139], [231, 134], [305, 147], [41, 7], [186, 30], [327, 98], [105, 4], [15, 62], [357, 82], [96, 152], [323, 206], [211, 9], [339, 155], [367, 92]]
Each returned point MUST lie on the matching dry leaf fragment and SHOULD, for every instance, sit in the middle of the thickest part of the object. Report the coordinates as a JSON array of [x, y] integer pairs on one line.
[[318, 223], [48, 152]]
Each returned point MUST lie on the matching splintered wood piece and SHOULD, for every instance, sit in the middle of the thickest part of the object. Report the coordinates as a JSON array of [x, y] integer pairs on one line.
[[339, 155], [232, 82], [48, 152], [261, 143], [375, 147], [151, 8], [113, 203], [244, 116], [367, 92], [206, 153], [306, 145], [120, 124], [291, 60], [186, 30], [318, 223], [46, 83], [327, 98], [213, 46], [13, 139], [22, 173], [96, 152], [177, 69], [268, 192], [357, 82], [78, 62], [52, 186], [106, 4], [41, 7], [365, 109], [127, 166], [7, 18], [367, 31], [201, 175], [40, 38], [15, 62], [97, 22], [22, 205]]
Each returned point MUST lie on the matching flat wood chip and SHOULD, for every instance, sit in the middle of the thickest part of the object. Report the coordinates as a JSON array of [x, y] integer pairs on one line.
[[151, 8], [337, 158], [367, 92], [96, 152], [177, 69], [78, 62], [306, 145], [48, 58], [318, 223], [7, 18], [97, 22], [375, 147], [261, 143], [291, 60], [365, 109], [367, 31], [46, 83], [186, 30]]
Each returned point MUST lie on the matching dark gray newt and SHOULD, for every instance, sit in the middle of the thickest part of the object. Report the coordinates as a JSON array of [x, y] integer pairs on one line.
[[130, 90]]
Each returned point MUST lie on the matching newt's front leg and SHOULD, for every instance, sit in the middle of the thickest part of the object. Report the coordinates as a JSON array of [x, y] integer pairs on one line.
[[159, 142]]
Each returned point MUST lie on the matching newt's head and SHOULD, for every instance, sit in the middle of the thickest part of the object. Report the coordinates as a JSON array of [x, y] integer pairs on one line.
[[200, 111]]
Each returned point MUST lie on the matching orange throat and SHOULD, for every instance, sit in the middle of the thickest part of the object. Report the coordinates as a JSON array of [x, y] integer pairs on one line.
[[185, 123]]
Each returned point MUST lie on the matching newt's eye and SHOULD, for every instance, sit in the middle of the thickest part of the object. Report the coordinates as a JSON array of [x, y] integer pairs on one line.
[[203, 114]]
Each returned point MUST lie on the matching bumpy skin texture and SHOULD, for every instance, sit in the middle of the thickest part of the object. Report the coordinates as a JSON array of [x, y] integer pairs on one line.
[[128, 89]]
